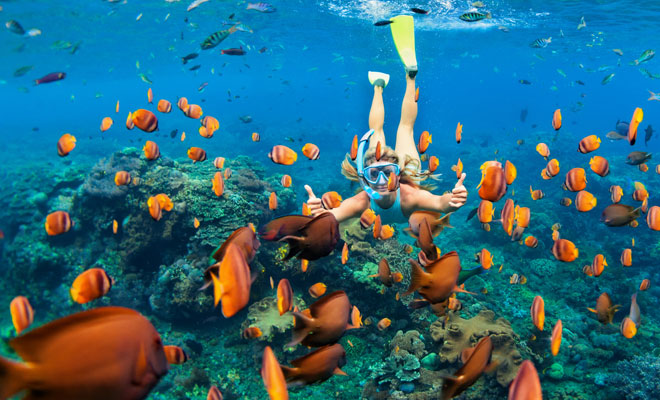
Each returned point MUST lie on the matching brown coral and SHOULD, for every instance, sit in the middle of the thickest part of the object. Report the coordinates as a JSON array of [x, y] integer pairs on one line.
[[457, 334]]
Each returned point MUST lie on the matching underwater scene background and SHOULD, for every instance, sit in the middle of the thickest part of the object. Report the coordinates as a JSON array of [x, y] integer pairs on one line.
[[303, 79]]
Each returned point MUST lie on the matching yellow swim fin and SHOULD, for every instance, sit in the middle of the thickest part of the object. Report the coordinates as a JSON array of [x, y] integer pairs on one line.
[[403, 33]]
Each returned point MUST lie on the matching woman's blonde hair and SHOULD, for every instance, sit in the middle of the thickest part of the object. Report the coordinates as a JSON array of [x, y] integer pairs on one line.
[[410, 174]]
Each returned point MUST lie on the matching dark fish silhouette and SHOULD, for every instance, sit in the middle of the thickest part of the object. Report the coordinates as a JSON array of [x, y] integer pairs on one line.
[[418, 11], [477, 359], [189, 57], [325, 321], [523, 115], [308, 238], [316, 366], [383, 22], [649, 134]]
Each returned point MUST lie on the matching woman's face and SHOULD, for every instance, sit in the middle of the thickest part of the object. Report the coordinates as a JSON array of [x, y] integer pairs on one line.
[[380, 185]]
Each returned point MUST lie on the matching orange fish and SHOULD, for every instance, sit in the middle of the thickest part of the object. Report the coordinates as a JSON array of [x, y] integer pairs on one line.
[[475, 361], [196, 223], [522, 216], [124, 345], [164, 106], [584, 201], [644, 285], [251, 332], [218, 184], [538, 312], [643, 167], [565, 201], [164, 202], [598, 265], [154, 208], [599, 165], [151, 150], [90, 285], [556, 119], [564, 250], [424, 140], [526, 385], [507, 216], [640, 194], [183, 136], [331, 200], [214, 393], [604, 309], [637, 118], [386, 232], [272, 283], [626, 257], [616, 192], [438, 280], [576, 180], [433, 163], [383, 324], [485, 259], [531, 241], [129, 121], [272, 201], [354, 148], [175, 355], [196, 154], [284, 296], [485, 211], [305, 210], [122, 178], [458, 168], [182, 103], [459, 132], [115, 226], [378, 152], [317, 290], [587, 270], [283, 155], [589, 144], [377, 227], [551, 169], [150, 96], [493, 183], [510, 172], [117, 107], [536, 194], [285, 181], [203, 132], [657, 169], [256, 137], [106, 124], [304, 264], [555, 341], [145, 120], [367, 218], [543, 150], [273, 377], [22, 313], [311, 151], [416, 94], [356, 318], [66, 143], [653, 218], [344, 254], [58, 222], [227, 173], [193, 111], [219, 162], [232, 285], [628, 328]]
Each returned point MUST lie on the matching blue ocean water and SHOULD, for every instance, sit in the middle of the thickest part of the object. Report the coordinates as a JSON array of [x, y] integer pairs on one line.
[[310, 85]]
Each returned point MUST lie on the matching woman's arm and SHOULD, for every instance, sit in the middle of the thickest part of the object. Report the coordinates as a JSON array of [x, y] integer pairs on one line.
[[349, 208], [450, 202]]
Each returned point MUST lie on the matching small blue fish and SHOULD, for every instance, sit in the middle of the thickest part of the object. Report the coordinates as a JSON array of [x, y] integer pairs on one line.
[[654, 96], [540, 43], [261, 7]]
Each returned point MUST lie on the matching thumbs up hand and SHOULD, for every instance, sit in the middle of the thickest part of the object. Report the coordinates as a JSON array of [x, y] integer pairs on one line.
[[458, 194], [314, 203]]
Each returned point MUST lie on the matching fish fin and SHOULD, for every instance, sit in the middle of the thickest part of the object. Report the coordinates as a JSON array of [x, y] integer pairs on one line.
[[205, 285], [466, 353], [472, 214], [141, 366], [295, 245], [338, 371], [417, 277], [12, 377], [373, 276], [218, 290], [300, 328], [410, 233], [592, 310], [288, 371], [457, 289]]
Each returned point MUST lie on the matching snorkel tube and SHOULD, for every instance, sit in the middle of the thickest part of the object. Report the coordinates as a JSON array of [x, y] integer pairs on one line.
[[360, 165]]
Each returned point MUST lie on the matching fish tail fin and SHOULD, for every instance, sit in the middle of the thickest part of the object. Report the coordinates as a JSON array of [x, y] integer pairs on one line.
[[416, 277], [489, 15], [472, 214], [218, 290], [300, 328], [592, 310], [288, 371], [295, 245], [12, 377], [459, 289], [637, 212]]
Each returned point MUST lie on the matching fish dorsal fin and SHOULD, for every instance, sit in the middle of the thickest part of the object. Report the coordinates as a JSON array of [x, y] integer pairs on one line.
[[301, 361], [218, 289], [30, 345], [301, 328], [418, 277], [315, 308], [472, 213], [466, 353]]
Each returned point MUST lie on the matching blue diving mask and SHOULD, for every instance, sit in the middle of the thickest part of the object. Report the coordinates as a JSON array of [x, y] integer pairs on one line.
[[372, 174]]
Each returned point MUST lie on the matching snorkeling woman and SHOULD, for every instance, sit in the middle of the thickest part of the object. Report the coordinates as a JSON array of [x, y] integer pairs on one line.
[[397, 201]]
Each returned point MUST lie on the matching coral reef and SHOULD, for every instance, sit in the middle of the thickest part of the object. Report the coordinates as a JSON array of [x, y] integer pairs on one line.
[[637, 378], [456, 334], [264, 315]]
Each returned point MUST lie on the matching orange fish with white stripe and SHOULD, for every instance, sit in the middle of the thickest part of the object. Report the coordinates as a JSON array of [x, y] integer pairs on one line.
[[58, 222], [538, 312], [492, 186], [626, 257], [218, 184], [543, 150], [175, 355], [283, 155], [555, 341], [576, 180], [91, 285], [510, 172], [564, 250], [585, 201], [66, 144], [122, 178], [106, 124], [272, 201], [556, 119], [22, 313], [589, 144], [459, 132], [164, 106], [151, 150], [145, 120], [311, 151], [599, 165]]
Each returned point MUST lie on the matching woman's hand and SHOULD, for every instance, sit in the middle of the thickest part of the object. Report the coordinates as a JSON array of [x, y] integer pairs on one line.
[[314, 203], [458, 194]]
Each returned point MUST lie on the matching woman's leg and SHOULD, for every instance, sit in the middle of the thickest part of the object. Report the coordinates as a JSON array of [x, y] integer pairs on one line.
[[405, 141], [377, 118]]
